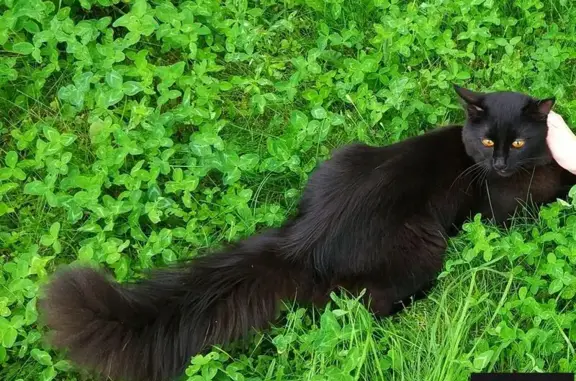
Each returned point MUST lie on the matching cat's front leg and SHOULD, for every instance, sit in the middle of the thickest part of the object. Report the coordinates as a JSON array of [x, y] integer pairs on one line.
[[384, 300], [404, 303], [500, 204], [568, 180]]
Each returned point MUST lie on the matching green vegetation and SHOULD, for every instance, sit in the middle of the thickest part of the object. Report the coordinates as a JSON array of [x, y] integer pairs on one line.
[[134, 133]]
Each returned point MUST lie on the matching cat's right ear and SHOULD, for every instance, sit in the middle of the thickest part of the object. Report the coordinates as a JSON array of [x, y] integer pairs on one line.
[[471, 100]]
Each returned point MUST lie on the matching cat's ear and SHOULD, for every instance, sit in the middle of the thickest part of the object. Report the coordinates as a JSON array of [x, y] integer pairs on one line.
[[540, 108], [545, 105], [471, 100]]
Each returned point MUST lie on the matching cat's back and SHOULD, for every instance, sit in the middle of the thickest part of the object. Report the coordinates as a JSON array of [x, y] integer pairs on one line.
[[410, 169], [365, 191], [422, 159]]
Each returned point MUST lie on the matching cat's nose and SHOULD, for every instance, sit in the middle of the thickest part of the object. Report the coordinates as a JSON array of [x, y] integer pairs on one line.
[[499, 164]]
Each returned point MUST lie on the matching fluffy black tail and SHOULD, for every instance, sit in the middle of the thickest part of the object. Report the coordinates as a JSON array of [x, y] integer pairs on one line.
[[148, 330]]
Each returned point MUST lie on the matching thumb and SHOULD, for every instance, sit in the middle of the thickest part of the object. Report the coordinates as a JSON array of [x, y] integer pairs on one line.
[[555, 121]]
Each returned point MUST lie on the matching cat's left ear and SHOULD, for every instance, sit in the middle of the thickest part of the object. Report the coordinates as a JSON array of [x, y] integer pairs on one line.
[[545, 105], [540, 108]]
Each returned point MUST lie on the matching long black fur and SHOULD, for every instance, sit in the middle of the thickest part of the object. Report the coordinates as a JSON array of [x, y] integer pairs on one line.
[[374, 218]]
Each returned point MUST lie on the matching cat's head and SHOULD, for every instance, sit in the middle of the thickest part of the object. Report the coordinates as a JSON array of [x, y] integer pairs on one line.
[[505, 131]]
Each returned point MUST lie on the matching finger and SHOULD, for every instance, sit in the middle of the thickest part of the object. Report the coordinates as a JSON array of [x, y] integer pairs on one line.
[[556, 121]]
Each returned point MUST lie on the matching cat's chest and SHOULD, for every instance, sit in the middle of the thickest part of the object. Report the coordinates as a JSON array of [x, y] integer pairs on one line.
[[502, 196]]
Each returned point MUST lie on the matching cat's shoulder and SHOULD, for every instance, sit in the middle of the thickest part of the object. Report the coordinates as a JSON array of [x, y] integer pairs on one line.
[[356, 155], [362, 153], [450, 131]]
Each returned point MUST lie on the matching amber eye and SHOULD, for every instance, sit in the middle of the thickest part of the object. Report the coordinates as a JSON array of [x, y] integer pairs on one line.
[[518, 143], [487, 142]]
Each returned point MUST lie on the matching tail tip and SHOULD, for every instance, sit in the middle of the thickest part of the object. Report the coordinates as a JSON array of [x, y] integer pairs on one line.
[[71, 300]]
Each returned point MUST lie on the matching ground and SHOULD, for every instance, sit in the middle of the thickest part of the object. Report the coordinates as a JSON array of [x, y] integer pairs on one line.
[[134, 133]]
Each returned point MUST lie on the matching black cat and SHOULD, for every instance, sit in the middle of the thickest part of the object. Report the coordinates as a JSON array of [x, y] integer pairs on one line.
[[374, 218]]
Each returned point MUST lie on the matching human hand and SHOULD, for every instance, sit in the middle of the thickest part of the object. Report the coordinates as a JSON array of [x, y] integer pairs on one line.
[[561, 142]]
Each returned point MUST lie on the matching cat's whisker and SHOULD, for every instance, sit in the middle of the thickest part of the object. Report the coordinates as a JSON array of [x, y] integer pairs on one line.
[[473, 174], [467, 171], [524, 169], [531, 160], [484, 175], [483, 170], [530, 184]]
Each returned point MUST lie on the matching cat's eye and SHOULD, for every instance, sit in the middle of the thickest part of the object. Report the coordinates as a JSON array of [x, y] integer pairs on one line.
[[518, 143], [487, 142]]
